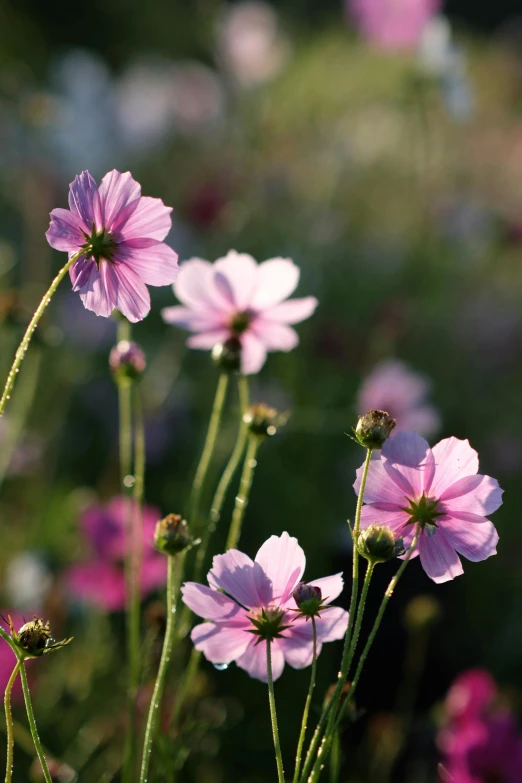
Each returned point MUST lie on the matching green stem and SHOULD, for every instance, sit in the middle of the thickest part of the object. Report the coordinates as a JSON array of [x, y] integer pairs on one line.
[[306, 712], [335, 758], [168, 643], [333, 702], [32, 725], [9, 722], [247, 476], [323, 751], [125, 411], [33, 323], [273, 714], [208, 450]]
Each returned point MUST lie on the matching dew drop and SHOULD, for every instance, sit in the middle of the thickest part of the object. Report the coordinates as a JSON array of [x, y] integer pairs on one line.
[[221, 667]]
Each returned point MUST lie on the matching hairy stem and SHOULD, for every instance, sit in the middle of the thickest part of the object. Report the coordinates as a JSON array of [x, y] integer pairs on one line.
[[273, 714], [306, 712], [247, 476], [32, 725], [9, 722]]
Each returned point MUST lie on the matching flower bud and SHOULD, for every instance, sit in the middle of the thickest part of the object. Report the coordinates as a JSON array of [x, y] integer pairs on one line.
[[309, 599], [373, 428], [127, 361], [377, 544], [34, 639], [227, 355], [172, 535], [263, 421]]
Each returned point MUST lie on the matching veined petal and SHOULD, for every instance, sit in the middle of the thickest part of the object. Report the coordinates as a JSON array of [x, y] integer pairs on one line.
[[380, 486], [66, 231], [195, 287], [220, 642], [454, 459], [236, 275], [81, 272], [298, 650], [276, 279], [155, 265], [151, 219], [253, 354], [274, 336], [331, 586], [476, 494], [476, 541], [131, 295], [253, 660], [84, 201], [233, 572], [396, 519], [407, 460], [97, 292], [192, 320], [211, 604], [438, 558], [279, 566], [116, 191], [292, 312], [208, 339]]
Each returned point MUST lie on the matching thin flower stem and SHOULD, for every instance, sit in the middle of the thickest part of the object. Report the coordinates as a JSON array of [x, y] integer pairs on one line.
[[325, 746], [247, 476], [125, 411], [273, 714], [335, 758], [333, 703], [306, 712], [9, 722], [168, 643], [208, 450], [33, 323], [32, 725]]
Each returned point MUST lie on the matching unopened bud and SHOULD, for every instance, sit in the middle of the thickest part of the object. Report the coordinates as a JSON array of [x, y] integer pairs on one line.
[[377, 544], [263, 421], [34, 639], [127, 361], [172, 535], [309, 599], [373, 428], [227, 355]]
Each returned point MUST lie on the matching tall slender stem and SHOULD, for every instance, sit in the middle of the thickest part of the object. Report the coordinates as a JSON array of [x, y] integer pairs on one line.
[[32, 725], [155, 705], [273, 714], [323, 751], [208, 449], [332, 704], [306, 712], [9, 722], [33, 323], [247, 476]]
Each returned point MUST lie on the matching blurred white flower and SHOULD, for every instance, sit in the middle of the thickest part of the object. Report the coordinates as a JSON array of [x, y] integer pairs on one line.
[[27, 582]]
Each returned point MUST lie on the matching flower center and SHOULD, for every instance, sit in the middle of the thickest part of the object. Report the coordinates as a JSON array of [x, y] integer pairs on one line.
[[268, 625], [240, 322], [99, 245], [423, 511]]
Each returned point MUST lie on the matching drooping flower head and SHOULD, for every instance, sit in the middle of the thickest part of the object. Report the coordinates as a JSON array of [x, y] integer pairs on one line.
[[392, 24], [121, 233], [237, 298], [441, 491], [400, 391], [257, 603], [101, 579]]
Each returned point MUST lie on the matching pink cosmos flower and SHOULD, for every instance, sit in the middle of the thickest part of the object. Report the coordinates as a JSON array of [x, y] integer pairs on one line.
[[251, 587], [392, 24], [236, 297], [122, 233], [441, 490], [101, 580], [393, 387]]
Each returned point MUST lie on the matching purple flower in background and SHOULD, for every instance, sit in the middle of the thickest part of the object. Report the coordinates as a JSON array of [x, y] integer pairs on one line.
[[392, 24], [393, 387], [441, 491], [236, 297], [122, 234], [101, 580], [257, 589]]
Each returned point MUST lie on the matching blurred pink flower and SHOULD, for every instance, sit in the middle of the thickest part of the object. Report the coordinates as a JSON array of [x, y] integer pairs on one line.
[[251, 587], [122, 233], [101, 580], [235, 297], [392, 24], [393, 387], [440, 490]]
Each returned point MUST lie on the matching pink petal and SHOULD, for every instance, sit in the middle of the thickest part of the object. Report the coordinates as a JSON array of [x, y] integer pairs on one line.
[[331, 586], [84, 200], [116, 192], [211, 604], [219, 642], [332, 624], [153, 572], [297, 643], [131, 295], [380, 486], [475, 494], [65, 231], [207, 340], [233, 572], [192, 320], [292, 312], [298, 650], [236, 276], [97, 293], [156, 265], [279, 566], [150, 220], [253, 354], [407, 460], [454, 459], [254, 660], [274, 336], [100, 584], [277, 278], [476, 541], [438, 558], [195, 287], [396, 519], [82, 271]]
